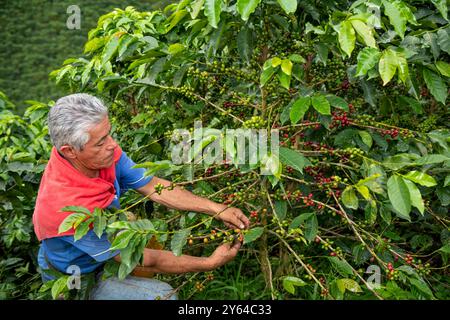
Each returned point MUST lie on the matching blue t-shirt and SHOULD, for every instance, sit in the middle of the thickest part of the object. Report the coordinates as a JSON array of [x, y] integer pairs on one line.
[[90, 252]]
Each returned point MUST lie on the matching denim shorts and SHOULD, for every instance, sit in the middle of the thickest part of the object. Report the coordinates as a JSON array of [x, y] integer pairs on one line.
[[132, 288]]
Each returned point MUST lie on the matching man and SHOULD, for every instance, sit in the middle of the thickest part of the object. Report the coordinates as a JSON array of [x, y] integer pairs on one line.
[[87, 168]]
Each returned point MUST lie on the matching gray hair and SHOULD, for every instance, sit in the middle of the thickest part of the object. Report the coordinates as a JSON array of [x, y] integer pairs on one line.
[[72, 116]]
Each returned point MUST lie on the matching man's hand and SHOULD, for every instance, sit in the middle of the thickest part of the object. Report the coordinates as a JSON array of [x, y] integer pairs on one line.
[[223, 254], [234, 218]]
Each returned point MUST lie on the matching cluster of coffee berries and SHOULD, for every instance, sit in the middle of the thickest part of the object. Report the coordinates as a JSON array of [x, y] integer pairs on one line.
[[209, 171], [322, 147], [365, 119], [255, 122], [430, 123], [229, 104], [296, 234], [202, 76], [337, 193], [423, 269], [392, 274], [324, 293], [199, 286], [311, 269], [186, 91], [254, 214], [159, 188], [409, 259], [339, 119], [353, 152]]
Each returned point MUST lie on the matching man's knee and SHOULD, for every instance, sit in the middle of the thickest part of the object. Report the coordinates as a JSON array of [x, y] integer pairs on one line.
[[133, 288]]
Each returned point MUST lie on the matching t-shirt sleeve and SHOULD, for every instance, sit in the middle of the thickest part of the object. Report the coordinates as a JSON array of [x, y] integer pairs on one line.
[[129, 177], [97, 248]]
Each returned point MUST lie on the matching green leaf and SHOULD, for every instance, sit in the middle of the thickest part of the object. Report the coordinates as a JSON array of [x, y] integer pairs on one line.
[[413, 103], [444, 68], [364, 191], [94, 44], [247, 7], [365, 32], [110, 49], [275, 62], [347, 37], [445, 249], [213, 8], [59, 286], [447, 180], [398, 193], [253, 234], [403, 69], [421, 178], [288, 6], [399, 161], [280, 209], [337, 102], [415, 196], [286, 66], [293, 159], [266, 75], [245, 43], [371, 182], [321, 104], [348, 284], [122, 239], [289, 283], [297, 58], [120, 225], [77, 209], [387, 65], [271, 165], [349, 198], [431, 159], [173, 20], [175, 48], [443, 39], [196, 6], [437, 86], [299, 109], [370, 211], [441, 5], [82, 229], [311, 228], [397, 18], [422, 286], [285, 79], [179, 240], [341, 266], [367, 59], [297, 221], [366, 138], [99, 222], [69, 222], [127, 253]]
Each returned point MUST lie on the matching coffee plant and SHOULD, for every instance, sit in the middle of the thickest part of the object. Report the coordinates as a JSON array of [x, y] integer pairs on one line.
[[356, 202], [24, 152]]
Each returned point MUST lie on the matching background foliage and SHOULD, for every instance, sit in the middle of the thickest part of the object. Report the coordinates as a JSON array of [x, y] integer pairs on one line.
[[35, 39], [359, 91]]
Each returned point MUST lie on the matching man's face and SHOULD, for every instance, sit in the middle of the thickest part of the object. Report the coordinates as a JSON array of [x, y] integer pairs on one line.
[[98, 152]]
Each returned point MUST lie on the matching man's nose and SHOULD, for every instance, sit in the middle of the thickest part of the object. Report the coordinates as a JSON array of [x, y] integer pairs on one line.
[[112, 144]]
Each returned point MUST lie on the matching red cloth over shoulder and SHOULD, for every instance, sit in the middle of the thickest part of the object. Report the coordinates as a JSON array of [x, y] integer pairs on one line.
[[62, 185]]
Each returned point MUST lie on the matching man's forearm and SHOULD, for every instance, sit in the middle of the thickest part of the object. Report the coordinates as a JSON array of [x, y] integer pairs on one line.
[[163, 261], [180, 199]]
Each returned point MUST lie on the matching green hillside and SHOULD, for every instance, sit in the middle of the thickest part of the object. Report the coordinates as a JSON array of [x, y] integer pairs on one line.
[[35, 40]]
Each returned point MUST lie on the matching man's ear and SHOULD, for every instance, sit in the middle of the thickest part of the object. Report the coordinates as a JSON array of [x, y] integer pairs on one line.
[[68, 152]]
